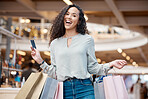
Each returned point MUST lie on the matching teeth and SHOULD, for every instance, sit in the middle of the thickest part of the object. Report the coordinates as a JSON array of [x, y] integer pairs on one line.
[[68, 22]]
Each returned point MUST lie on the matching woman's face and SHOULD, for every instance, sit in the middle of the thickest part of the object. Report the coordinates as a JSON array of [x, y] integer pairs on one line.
[[71, 18]]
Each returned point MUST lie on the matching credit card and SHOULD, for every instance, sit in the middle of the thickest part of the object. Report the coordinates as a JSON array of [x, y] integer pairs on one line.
[[33, 44]]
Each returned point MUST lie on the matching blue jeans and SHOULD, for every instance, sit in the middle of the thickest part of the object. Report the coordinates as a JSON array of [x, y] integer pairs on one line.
[[78, 89]]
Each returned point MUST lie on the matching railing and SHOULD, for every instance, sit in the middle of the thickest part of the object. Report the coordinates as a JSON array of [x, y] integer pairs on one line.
[[8, 33]]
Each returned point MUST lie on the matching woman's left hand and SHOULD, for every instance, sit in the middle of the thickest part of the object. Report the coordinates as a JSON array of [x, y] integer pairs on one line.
[[118, 63]]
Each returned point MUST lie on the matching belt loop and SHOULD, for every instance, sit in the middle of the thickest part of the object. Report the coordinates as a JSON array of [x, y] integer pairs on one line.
[[69, 79]]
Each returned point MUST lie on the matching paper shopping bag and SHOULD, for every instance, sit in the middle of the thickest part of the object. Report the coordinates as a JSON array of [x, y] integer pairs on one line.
[[59, 91], [99, 90], [109, 88], [32, 87], [120, 87], [49, 89], [115, 88]]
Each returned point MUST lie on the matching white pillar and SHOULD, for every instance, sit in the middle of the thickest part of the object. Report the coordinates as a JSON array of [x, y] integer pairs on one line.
[[20, 26], [42, 28]]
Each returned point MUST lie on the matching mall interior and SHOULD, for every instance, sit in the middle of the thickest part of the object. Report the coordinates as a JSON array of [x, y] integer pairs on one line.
[[119, 29]]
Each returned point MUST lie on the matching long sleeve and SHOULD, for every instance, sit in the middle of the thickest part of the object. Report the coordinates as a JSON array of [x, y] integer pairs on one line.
[[50, 69], [93, 66], [78, 60]]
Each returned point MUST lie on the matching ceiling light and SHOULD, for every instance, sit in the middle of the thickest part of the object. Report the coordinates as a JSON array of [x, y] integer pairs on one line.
[[21, 53], [134, 63], [131, 60], [127, 57], [27, 21], [32, 61], [23, 59], [124, 54], [17, 28], [119, 50], [103, 62], [13, 72], [22, 21], [47, 53], [99, 60], [10, 55], [68, 2], [28, 30], [45, 31]]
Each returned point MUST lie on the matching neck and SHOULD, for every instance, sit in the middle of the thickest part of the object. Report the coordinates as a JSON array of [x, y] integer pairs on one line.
[[70, 33]]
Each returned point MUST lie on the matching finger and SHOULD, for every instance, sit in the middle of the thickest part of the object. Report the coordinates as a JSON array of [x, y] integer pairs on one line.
[[33, 53], [124, 62], [32, 49], [120, 66], [121, 63]]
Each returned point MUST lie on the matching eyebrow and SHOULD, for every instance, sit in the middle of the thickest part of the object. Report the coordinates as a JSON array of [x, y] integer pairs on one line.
[[73, 13]]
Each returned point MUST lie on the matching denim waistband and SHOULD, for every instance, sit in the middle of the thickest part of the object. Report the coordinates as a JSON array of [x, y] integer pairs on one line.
[[69, 79], [74, 78]]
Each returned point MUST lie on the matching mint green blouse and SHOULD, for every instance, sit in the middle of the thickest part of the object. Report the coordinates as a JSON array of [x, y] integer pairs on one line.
[[78, 60]]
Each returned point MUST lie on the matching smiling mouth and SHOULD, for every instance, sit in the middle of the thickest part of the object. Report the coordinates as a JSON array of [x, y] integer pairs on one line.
[[68, 22]]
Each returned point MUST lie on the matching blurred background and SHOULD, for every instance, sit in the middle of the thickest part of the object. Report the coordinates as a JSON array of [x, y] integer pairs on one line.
[[119, 28]]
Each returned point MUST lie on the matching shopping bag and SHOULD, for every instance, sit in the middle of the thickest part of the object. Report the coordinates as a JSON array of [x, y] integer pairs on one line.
[[99, 90], [49, 89], [114, 87], [32, 87], [109, 88], [59, 91], [120, 87]]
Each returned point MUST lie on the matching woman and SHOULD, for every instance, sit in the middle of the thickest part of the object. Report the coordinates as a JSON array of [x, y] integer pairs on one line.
[[73, 55]]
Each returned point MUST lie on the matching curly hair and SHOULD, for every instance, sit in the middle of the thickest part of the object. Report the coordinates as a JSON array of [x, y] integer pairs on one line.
[[58, 29]]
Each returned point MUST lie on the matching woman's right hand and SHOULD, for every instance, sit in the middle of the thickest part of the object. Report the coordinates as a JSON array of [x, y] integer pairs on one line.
[[36, 55]]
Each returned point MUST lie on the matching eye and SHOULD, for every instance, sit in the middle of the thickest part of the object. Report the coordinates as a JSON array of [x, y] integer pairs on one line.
[[67, 13], [74, 16]]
